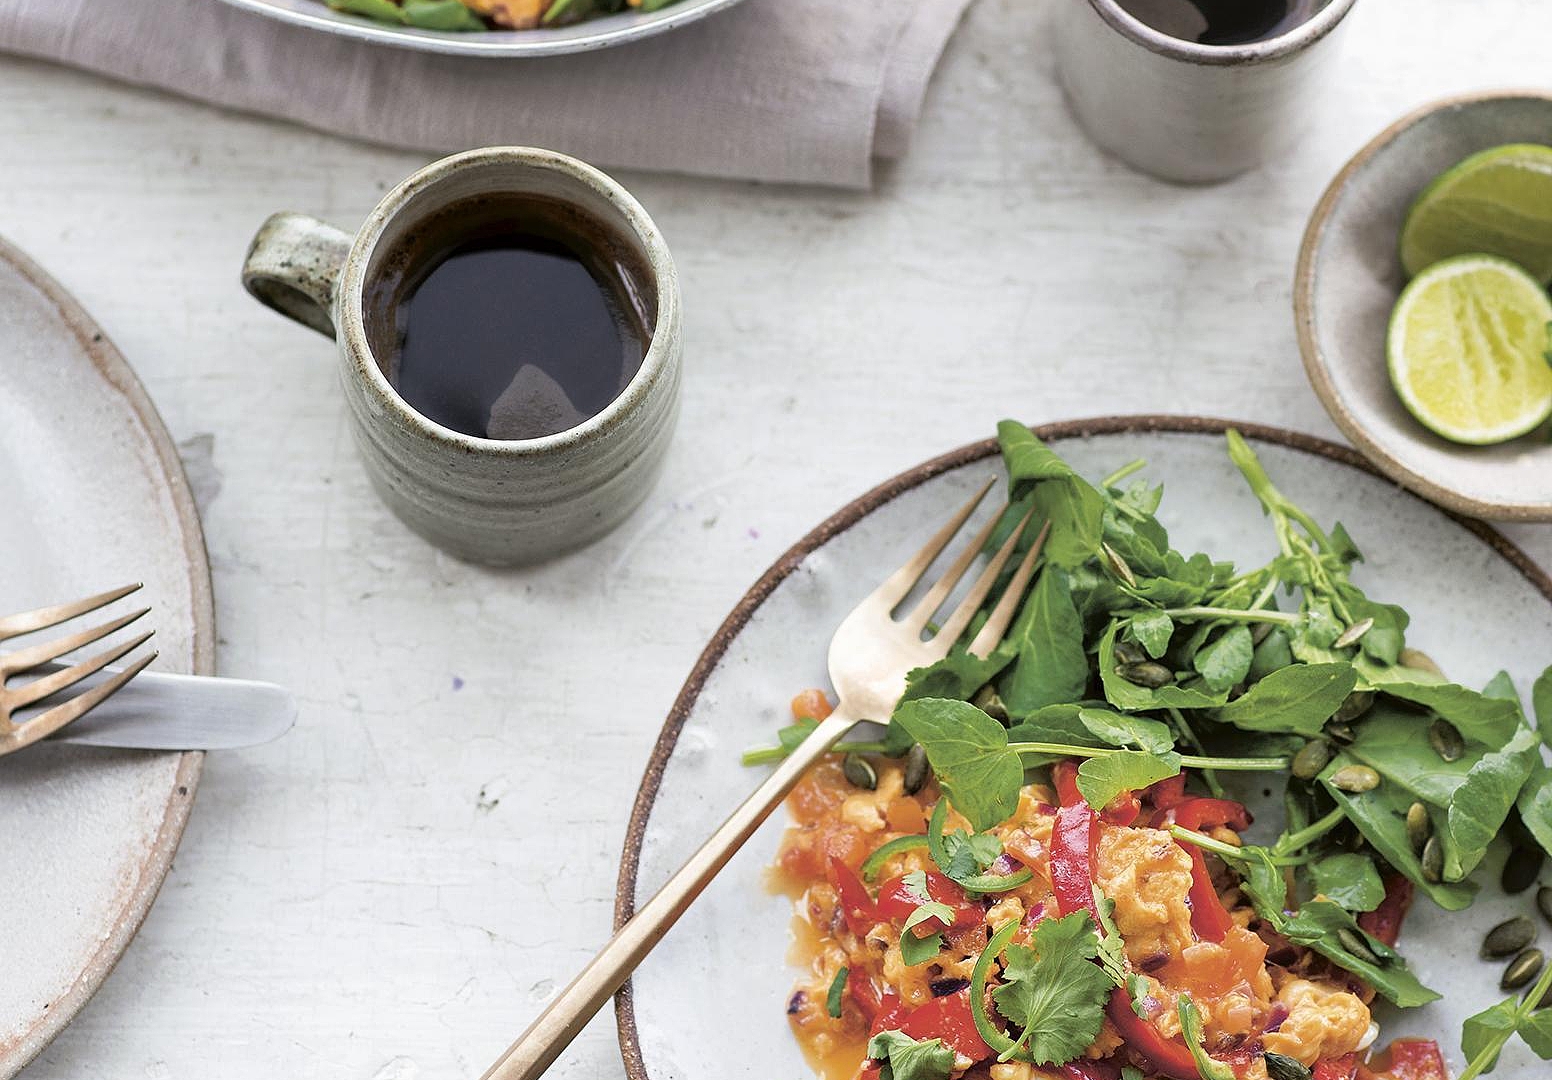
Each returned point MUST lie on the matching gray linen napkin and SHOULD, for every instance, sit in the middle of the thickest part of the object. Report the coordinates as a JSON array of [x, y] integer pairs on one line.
[[805, 91]]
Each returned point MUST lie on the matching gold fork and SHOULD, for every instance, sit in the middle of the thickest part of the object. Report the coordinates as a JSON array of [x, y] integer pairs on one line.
[[870, 655], [14, 735]]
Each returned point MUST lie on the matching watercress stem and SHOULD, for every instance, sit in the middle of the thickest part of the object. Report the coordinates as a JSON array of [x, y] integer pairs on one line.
[[1123, 472], [1292, 842], [1285, 618], [1183, 727], [769, 755], [1217, 847], [1188, 760], [1489, 1055]]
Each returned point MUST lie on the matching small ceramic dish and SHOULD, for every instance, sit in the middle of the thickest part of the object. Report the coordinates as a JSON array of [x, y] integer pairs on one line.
[[1348, 278]]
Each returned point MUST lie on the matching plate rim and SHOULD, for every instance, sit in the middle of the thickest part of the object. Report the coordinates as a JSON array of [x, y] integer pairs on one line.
[[116, 371], [1316, 367], [859, 508], [480, 45]]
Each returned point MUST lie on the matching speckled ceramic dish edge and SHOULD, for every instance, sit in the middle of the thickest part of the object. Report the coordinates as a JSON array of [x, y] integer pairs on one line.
[[136, 895], [1318, 360], [855, 512]]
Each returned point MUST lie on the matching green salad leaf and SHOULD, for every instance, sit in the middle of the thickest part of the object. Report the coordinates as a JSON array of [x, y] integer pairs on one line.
[[1348, 879], [968, 751], [1048, 638], [1293, 698], [1101, 779], [1060, 496]]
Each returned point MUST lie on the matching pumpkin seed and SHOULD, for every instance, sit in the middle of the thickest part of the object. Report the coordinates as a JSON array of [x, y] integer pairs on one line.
[[1148, 674], [915, 769], [1522, 969], [1353, 706], [1522, 868], [1544, 901], [1355, 778], [990, 702], [1341, 733], [1416, 658], [1354, 943], [1308, 762], [1118, 564], [1351, 635], [1127, 652], [1419, 826], [1259, 632], [1433, 860], [1282, 1067], [1445, 740], [1508, 938], [859, 772]]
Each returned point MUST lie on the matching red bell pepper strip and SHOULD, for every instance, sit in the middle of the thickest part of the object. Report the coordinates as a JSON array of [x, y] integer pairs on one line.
[[870, 1070], [1209, 918], [1168, 792], [948, 1018], [1415, 1059], [865, 995], [1073, 840], [1342, 1068], [1124, 809], [858, 907], [1167, 1057], [1065, 775], [897, 901], [1201, 813], [1384, 922]]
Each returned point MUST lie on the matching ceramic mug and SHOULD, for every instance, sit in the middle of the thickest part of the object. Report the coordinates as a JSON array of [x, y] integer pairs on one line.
[[1184, 111], [502, 503]]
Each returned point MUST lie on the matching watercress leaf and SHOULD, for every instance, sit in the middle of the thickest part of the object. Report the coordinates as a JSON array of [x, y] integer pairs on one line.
[[1073, 507], [1541, 702], [1536, 1029], [441, 15], [905, 1058], [1052, 666], [1119, 729], [1101, 779], [1225, 661], [1297, 699], [957, 675], [381, 10], [1535, 805], [1133, 698], [1153, 629], [1263, 880], [1479, 718], [969, 754], [793, 734], [1501, 687], [1484, 1034], [1384, 639], [1054, 724], [1348, 879], [1053, 992], [1273, 654], [1316, 925], [1342, 545], [1393, 741], [1482, 803], [1191, 1032], [1380, 816]]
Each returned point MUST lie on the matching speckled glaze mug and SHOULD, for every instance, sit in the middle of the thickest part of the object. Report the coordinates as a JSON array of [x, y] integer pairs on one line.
[[1184, 111], [502, 503]]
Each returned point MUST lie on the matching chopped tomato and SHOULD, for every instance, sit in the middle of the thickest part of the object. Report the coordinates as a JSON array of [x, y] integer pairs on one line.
[[820, 791], [896, 902], [948, 1018], [891, 1014], [1411, 1059], [1342, 1068], [1123, 809], [811, 705], [1384, 922], [856, 905]]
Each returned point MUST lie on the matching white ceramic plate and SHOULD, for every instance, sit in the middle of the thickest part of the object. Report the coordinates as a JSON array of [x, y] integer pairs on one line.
[[710, 999], [1348, 278], [585, 36], [93, 496]]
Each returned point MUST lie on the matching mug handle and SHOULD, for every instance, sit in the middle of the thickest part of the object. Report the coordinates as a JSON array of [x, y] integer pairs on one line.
[[294, 266]]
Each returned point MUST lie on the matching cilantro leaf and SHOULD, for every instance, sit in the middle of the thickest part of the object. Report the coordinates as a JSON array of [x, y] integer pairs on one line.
[[918, 950], [1054, 993], [905, 1058], [1101, 779], [968, 751]]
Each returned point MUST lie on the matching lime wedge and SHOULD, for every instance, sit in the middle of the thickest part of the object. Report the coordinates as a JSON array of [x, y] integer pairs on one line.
[[1467, 346], [1497, 202]]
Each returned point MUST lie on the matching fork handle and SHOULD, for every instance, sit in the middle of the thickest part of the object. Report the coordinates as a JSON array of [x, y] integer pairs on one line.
[[538, 1047]]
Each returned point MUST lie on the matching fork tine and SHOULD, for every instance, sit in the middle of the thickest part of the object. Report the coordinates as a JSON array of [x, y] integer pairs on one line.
[[990, 634], [55, 681], [24, 659], [898, 584], [45, 724], [42, 618], [930, 603], [955, 624]]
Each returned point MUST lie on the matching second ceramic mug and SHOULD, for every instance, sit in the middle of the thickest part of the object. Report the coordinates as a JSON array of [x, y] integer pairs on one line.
[[497, 502]]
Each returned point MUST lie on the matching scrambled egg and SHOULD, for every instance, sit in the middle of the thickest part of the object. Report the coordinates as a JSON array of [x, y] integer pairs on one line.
[[1322, 1022]]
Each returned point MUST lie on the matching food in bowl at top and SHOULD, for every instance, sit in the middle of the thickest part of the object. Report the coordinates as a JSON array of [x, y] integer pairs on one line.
[[479, 15], [1039, 871]]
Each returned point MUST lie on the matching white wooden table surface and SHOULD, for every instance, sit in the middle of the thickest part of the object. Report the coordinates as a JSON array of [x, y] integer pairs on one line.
[[395, 889]]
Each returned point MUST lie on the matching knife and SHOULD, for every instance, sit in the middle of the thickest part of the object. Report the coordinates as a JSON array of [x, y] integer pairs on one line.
[[159, 711]]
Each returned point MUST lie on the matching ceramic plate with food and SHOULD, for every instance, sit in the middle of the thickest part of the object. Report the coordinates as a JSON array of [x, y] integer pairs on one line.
[[1214, 812], [512, 28]]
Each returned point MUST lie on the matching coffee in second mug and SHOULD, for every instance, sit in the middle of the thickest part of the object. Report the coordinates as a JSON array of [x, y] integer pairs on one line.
[[508, 335]]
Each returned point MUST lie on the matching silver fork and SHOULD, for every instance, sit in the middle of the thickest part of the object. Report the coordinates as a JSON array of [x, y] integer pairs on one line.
[[15, 735], [870, 655]]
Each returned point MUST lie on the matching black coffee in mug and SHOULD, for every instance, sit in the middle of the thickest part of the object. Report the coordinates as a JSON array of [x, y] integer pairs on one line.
[[1223, 22], [511, 317]]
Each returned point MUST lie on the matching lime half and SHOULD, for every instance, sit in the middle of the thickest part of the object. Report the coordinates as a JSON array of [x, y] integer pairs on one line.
[[1467, 349], [1497, 202]]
